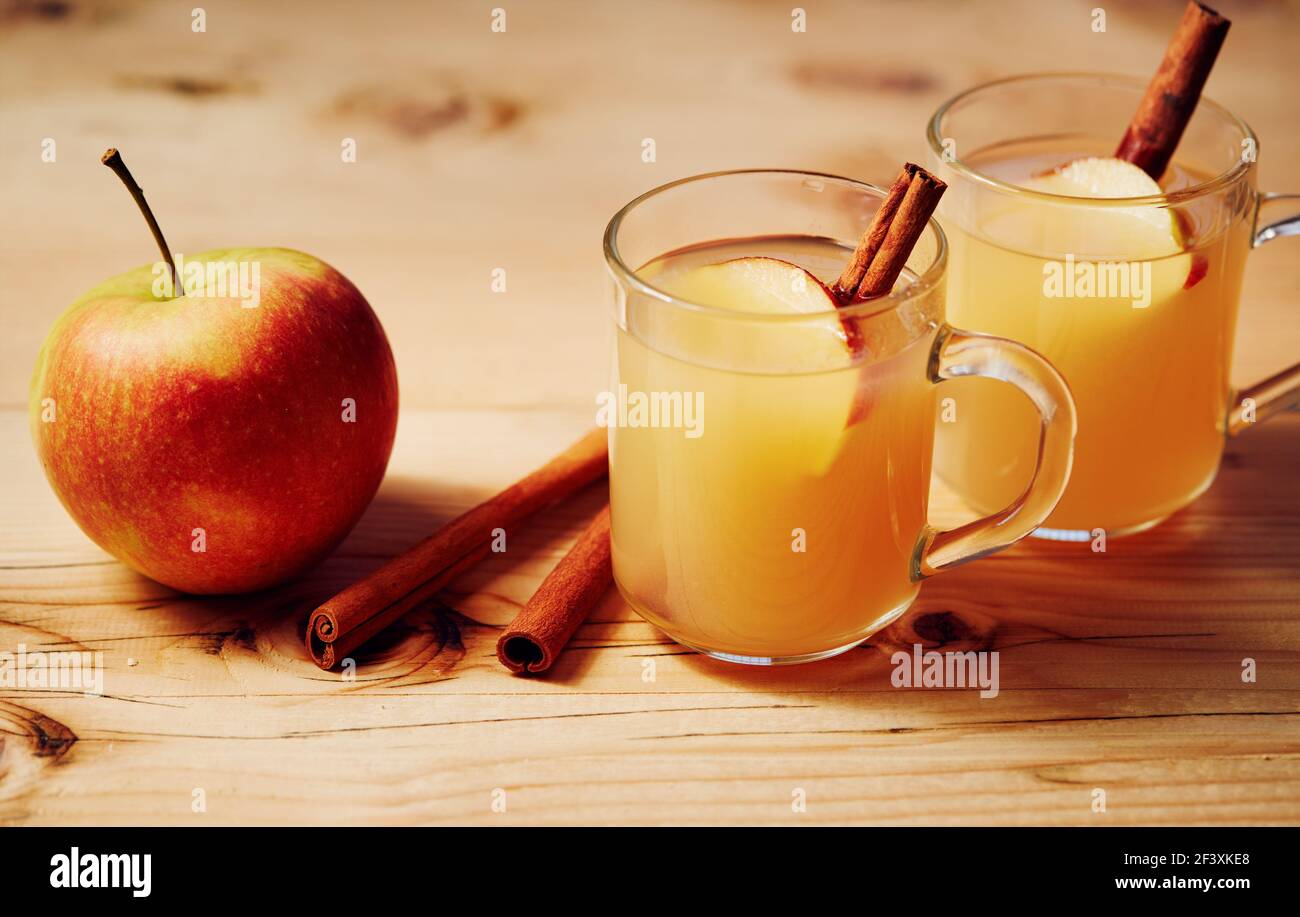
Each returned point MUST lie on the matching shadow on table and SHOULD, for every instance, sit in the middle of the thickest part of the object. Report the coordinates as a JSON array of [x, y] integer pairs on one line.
[[1147, 614], [1155, 616], [425, 645]]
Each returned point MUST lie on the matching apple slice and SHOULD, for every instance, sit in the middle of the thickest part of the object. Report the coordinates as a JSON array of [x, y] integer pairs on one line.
[[1105, 176], [1145, 233], [758, 284], [771, 286]]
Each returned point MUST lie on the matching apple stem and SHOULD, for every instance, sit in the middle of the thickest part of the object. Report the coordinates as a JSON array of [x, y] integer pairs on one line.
[[113, 159]]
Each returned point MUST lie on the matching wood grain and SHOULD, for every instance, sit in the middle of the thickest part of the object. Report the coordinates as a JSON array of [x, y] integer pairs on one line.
[[235, 136], [1119, 671]]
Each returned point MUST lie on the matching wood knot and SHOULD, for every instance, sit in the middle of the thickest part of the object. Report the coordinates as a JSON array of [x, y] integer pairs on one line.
[[186, 85], [38, 10], [427, 640], [861, 77], [968, 630], [427, 108], [30, 742], [942, 628]]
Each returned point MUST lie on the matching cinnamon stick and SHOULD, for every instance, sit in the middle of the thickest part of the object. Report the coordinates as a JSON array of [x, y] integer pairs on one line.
[[366, 607], [846, 288], [884, 248], [539, 632], [1171, 97]]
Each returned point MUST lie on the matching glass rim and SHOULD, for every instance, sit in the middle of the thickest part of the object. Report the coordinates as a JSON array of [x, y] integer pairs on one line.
[[880, 306], [1233, 174]]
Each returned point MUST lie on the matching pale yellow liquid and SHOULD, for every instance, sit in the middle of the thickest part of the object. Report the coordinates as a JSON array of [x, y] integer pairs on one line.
[[1150, 385], [705, 529]]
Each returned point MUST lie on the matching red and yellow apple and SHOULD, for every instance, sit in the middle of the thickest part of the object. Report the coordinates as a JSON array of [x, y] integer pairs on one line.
[[214, 447]]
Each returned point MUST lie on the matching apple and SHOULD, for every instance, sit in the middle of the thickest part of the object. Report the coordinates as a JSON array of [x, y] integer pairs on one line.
[[213, 446]]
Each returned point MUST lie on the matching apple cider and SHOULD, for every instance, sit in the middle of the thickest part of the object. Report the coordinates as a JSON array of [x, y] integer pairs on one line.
[[1134, 305], [782, 525]]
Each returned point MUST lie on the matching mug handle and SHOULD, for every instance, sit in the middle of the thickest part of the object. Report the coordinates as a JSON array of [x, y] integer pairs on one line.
[[959, 353], [1280, 391]]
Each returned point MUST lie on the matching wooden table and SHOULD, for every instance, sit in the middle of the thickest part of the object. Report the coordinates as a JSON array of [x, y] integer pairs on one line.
[[1119, 671]]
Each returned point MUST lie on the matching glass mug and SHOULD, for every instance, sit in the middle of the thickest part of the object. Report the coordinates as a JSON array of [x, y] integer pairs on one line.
[[782, 518], [1143, 331]]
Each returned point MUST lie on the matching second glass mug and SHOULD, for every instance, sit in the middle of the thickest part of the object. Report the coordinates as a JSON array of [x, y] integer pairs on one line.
[[1149, 372], [789, 522]]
